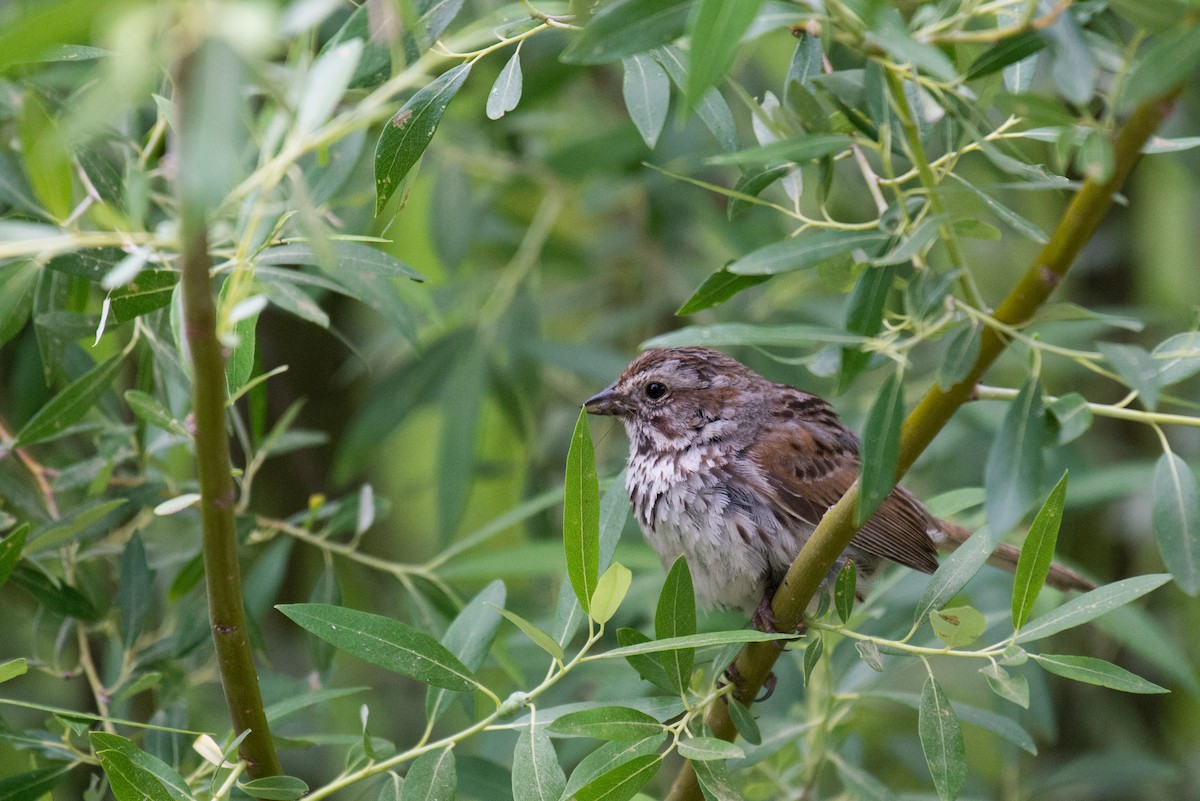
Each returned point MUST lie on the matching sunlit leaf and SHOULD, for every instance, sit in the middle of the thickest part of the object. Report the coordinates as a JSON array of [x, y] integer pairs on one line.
[[715, 28], [581, 514], [607, 723], [622, 782], [676, 617], [135, 775], [807, 250], [625, 28], [1091, 605], [1037, 554], [957, 626]]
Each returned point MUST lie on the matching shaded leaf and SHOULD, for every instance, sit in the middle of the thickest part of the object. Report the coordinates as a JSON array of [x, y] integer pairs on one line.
[[647, 92], [275, 788], [956, 570], [536, 774], [607, 723], [581, 514], [432, 777], [844, 589], [715, 28], [646, 665], [1090, 670], [880, 451], [796, 150], [71, 404], [1176, 520], [1072, 416], [1013, 473], [10, 551], [694, 641], [152, 289], [625, 28], [942, 741], [540, 638], [608, 757], [744, 721], [807, 250], [714, 778], [812, 655], [704, 749], [716, 289], [1008, 687], [962, 350], [1137, 369], [676, 617], [1091, 605], [469, 638], [711, 108], [1007, 51], [135, 592], [505, 93], [622, 782], [135, 775]]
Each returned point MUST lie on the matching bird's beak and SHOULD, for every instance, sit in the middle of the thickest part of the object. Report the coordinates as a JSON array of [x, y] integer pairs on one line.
[[607, 402]]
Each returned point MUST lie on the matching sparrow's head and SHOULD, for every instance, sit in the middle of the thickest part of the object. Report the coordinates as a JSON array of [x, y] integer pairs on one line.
[[670, 397]]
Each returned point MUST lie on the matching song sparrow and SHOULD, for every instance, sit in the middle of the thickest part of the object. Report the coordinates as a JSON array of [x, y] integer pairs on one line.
[[734, 471]]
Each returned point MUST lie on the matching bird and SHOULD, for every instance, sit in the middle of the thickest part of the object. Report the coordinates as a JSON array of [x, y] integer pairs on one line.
[[734, 471]]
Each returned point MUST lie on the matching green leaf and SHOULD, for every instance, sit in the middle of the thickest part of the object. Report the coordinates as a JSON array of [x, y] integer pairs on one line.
[[622, 782], [536, 774], [715, 781], [1091, 605], [239, 365], [348, 256], [1007, 51], [1137, 369], [10, 551], [71, 525], [1178, 357], [727, 334], [275, 788], [1008, 687], [1095, 158], [1072, 416], [294, 300], [957, 626], [704, 749], [942, 741], [610, 591], [408, 133], [962, 350], [152, 289], [608, 757], [869, 653], [135, 775], [752, 184], [807, 250], [880, 450], [135, 592], [812, 654], [469, 638], [1037, 553], [62, 599], [862, 785], [956, 570], [676, 617], [694, 641], [1176, 520], [69, 406], [844, 589], [431, 778], [607, 723], [324, 84], [385, 642], [647, 92], [11, 669], [716, 289], [17, 280], [743, 721], [715, 28], [146, 407], [581, 514], [614, 512], [1013, 473], [540, 638], [712, 109], [48, 161], [1170, 58], [506, 91], [625, 28], [32, 785], [646, 665], [462, 407], [1006, 215], [1090, 670], [797, 150]]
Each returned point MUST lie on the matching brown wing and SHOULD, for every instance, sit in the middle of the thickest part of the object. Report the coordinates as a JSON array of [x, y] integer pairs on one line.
[[809, 460]]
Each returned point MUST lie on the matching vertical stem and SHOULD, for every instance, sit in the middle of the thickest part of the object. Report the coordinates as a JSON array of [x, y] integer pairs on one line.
[[235, 663]]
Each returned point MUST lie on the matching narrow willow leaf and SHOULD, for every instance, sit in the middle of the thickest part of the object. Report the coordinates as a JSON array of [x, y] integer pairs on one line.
[[962, 350], [432, 777], [752, 184], [1176, 520], [1137, 369], [694, 641], [1178, 357], [607, 723], [540, 638], [32, 785], [711, 108], [324, 85], [727, 334], [275, 788], [1009, 687], [715, 781], [890, 32], [16, 294], [151, 290], [942, 741], [48, 158], [71, 525], [716, 289], [956, 570], [715, 28], [350, 256], [581, 514], [812, 655], [1072, 416], [135, 591], [610, 591], [957, 626], [844, 589], [1013, 473], [408, 133], [69, 406], [614, 513], [462, 407], [676, 617], [704, 749], [536, 774], [10, 551], [648, 666], [385, 642], [1091, 605], [647, 92], [608, 757], [469, 638], [1090, 670], [744, 721], [134, 775], [1007, 51], [880, 450], [798, 151], [1006, 215], [862, 785], [1037, 553], [625, 28], [622, 782], [807, 250], [506, 91], [12, 668], [1169, 59]]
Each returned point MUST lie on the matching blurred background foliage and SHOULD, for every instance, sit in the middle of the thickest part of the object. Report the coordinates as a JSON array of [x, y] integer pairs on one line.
[[552, 241]]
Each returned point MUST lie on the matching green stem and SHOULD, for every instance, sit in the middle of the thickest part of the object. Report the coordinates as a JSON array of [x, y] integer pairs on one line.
[[833, 534], [227, 614]]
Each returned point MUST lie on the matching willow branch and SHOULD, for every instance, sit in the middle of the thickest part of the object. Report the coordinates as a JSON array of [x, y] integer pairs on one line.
[[1080, 220], [235, 663]]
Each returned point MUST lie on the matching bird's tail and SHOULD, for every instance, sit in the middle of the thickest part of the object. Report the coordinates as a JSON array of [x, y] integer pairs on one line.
[[1005, 557]]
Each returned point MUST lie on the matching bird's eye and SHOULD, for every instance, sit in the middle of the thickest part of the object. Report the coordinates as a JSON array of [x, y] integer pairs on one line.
[[655, 390]]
